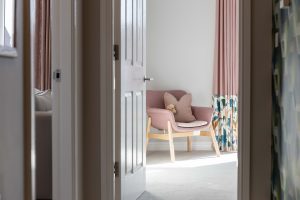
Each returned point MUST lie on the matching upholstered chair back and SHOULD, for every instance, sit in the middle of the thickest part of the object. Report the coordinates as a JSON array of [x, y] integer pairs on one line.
[[155, 98]]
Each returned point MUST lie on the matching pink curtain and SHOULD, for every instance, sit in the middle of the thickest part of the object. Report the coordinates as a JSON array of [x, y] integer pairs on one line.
[[225, 90], [226, 48], [42, 55]]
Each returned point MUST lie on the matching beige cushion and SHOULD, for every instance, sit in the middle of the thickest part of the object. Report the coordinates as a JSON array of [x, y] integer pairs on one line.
[[192, 124], [43, 101], [183, 107]]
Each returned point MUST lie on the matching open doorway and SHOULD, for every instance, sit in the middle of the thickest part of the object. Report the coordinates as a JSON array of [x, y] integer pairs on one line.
[[192, 48], [43, 97], [192, 53]]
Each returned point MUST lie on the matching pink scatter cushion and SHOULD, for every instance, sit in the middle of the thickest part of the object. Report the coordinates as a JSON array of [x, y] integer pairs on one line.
[[183, 107]]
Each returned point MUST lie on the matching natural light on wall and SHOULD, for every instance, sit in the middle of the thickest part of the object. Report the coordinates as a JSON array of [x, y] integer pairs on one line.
[[7, 26], [7, 23], [1, 22]]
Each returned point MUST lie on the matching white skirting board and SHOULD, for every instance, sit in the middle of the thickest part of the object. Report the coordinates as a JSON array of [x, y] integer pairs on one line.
[[199, 143]]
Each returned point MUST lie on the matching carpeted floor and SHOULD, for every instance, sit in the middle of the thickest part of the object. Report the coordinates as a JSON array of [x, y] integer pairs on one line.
[[197, 175]]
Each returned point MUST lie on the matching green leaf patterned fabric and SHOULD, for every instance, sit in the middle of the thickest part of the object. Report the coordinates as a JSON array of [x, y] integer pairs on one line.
[[225, 120], [286, 101]]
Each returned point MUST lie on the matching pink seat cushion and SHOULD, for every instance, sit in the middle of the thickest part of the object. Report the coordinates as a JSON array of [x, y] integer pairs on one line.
[[193, 124], [183, 107]]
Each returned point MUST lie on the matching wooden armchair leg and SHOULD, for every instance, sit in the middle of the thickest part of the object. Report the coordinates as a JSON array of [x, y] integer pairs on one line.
[[214, 141], [171, 143], [148, 131], [189, 144], [147, 142]]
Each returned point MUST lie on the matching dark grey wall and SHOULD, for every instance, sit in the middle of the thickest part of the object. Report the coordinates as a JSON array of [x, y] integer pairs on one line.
[[91, 99], [261, 102], [11, 118]]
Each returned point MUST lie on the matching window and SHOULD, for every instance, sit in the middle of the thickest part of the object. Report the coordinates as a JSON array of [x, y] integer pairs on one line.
[[7, 23]]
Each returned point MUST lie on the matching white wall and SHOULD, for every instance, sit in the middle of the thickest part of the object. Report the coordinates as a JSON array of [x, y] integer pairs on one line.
[[180, 53], [11, 119], [180, 46]]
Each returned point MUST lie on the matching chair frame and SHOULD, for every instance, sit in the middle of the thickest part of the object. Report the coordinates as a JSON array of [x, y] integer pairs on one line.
[[170, 135]]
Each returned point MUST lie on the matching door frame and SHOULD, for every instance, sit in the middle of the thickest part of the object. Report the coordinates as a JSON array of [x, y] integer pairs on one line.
[[244, 96], [66, 148], [66, 119], [107, 86], [244, 101]]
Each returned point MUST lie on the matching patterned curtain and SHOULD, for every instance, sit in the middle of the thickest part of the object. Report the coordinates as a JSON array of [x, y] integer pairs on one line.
[[225, 121], [225, 98], [286, 100], [42, 40]]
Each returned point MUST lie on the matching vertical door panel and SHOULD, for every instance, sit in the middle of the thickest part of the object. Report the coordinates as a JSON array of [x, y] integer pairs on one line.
[[139, 129], [139, 33], [128, 132], [132, 88], [129, 31]]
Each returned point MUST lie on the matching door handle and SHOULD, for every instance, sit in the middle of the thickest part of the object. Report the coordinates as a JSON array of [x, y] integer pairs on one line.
[[148, 79]]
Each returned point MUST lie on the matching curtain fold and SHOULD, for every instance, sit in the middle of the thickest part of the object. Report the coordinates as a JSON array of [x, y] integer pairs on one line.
[[42, 45], [225, 81]]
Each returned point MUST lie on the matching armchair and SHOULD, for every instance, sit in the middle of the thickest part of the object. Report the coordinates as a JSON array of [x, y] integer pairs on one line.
[[163, 119]]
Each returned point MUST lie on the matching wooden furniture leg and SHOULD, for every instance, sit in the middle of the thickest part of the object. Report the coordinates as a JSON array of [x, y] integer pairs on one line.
[[148, 132], [171, 143], [189, 144], [214, 141]]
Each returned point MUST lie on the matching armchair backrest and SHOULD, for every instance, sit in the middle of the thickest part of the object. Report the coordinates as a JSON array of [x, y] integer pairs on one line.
[[155, 98]]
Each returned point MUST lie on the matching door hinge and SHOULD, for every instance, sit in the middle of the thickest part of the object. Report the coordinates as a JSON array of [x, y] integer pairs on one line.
[[116, 52], [117, 169], [57, 75]]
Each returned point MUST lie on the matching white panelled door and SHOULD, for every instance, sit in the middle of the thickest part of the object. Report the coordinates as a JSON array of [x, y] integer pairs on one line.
[[132, 133]]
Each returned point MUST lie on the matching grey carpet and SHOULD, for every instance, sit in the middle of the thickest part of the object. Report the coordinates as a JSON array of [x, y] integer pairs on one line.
[[194, 176]]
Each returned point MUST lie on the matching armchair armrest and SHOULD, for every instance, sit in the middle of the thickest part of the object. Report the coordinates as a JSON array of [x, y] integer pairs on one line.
[[160, 117], [203, 113]]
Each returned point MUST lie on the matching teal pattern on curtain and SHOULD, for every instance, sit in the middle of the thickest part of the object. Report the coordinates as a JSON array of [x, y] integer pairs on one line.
[[225, 120]]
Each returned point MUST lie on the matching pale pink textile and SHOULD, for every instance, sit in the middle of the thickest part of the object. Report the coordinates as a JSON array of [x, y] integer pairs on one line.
[[226, 48], [191, 124], [42, 45], [155, 98], [183, 107], [160, 116]]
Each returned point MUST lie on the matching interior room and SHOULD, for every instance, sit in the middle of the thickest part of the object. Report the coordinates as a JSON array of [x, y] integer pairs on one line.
[[192, 49], [89, 167]]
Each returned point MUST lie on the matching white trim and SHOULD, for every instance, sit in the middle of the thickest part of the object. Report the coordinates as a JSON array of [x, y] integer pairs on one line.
[[8, 52], [78, 98], [65, 100]]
